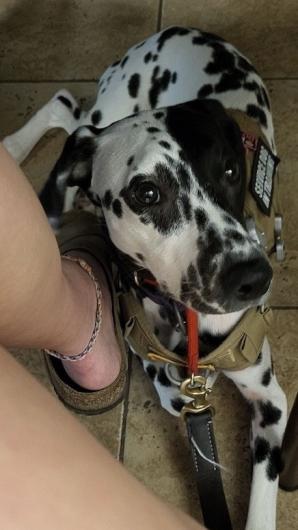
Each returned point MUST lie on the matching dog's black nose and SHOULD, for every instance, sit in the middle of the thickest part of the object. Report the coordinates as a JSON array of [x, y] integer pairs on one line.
[[246, 281]]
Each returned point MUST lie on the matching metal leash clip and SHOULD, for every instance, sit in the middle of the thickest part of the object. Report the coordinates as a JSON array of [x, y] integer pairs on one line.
[[279, 243], [195, 387]]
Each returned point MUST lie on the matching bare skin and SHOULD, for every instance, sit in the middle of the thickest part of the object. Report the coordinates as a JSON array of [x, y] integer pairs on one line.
[[54, 474], [37, 286]]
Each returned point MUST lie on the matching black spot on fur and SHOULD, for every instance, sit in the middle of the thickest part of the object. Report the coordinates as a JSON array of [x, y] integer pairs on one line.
[[271, 414], [96, 117], [174, 77], [130, 160], [148, 57], [266, 377], [275, 463], [251, 86], [183, 177], [186, 207], [164, 144], [205, 91], [93, 197], [234, 236], [140, 256], [107, 199], [212, 38], [228, 81], [65, 101], [134, 85], [155, 57], [124, 61], [153, 130], [136, 109], [266, 98], [259, 359], [201, 218], [169, 159], [222, 60], [182, 155], [245, 65], [260, 98], [254, 112], [214, 243], [158, 115], [115, 63], [262, 448], [158, 84], [77, 113], [117, 208], [94, 130], [164, 215], [199, 40], [151, 371], [169, 33], [162, 377], [177, 404]]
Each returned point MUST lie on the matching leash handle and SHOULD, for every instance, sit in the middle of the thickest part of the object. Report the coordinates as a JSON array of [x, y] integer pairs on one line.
[[192, 323]]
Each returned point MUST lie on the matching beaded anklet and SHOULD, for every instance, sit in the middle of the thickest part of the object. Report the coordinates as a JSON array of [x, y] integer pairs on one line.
[[98, 315]]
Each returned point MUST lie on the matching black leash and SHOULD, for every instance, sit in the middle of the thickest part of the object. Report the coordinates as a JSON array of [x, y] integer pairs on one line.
[[208, 477], [200, 425]]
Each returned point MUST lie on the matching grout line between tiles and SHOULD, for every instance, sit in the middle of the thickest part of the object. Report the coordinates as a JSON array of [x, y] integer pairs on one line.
[[284, 307], [94, 80], [159, 15], [120, 455], [39, 81]]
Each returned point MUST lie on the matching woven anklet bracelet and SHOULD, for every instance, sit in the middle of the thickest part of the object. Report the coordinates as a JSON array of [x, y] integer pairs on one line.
[[98, 315]]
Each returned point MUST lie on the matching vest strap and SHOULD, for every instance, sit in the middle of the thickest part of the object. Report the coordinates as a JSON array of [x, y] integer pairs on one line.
[[240, 349]]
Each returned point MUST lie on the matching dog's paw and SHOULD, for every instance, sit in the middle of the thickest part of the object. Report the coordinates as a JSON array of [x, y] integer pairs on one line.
[[64, 111]]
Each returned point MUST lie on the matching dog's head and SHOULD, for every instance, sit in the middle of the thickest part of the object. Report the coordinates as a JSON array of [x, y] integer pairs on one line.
[[172, 185]]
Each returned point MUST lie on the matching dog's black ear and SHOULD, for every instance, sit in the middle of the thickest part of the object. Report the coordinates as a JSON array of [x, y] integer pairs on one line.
[[210, 106], [188, 121], [73, 168]]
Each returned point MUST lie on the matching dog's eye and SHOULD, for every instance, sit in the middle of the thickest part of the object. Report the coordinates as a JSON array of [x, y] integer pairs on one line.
[[147, 193], [231, 172]]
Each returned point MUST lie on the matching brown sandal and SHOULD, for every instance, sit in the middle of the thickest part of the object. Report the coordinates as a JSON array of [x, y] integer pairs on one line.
[[85, 233]]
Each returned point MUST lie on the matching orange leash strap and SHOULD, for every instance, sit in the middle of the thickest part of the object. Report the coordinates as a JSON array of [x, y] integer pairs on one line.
[[192, 324]]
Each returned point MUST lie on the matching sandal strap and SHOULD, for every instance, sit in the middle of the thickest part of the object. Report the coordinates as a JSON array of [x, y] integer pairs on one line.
[[98, 315]]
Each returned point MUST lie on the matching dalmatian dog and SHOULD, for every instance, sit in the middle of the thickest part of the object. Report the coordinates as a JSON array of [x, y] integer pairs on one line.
[[164, 163]]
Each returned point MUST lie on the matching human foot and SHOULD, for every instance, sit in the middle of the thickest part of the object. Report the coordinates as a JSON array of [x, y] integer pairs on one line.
[[101, 365]]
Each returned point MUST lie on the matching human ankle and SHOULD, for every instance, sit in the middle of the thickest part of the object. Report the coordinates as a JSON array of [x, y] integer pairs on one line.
[[79, 310]]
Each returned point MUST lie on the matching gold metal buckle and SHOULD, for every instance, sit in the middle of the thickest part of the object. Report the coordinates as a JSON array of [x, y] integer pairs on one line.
[[195, 388]]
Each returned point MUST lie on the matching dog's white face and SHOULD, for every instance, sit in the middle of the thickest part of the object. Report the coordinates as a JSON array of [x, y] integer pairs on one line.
[[172, 185]]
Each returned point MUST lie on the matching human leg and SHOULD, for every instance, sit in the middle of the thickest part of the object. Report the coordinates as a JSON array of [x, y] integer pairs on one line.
[[54, 474], [46, 301]]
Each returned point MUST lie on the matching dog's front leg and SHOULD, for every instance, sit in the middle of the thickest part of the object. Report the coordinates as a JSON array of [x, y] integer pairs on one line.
[[259, 386], [61, 111]]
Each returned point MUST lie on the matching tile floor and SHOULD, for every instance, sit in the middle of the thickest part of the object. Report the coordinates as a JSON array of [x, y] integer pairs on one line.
[[62, 43]]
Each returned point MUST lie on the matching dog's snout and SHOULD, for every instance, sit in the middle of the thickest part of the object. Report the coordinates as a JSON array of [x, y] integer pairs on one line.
[[248, 280]]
